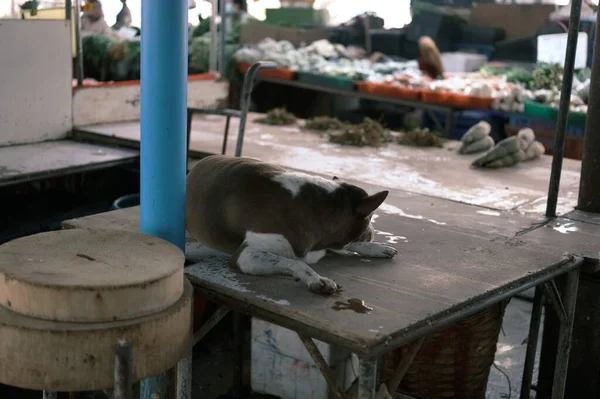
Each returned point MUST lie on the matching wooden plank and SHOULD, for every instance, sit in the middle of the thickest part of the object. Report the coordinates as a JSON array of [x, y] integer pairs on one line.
[[34, 161], [437, 272], [441, 173]]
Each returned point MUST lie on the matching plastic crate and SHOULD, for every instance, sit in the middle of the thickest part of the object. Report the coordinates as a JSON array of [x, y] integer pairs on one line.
[[326, 81], [542, 111], [544, 124], [464, 120]]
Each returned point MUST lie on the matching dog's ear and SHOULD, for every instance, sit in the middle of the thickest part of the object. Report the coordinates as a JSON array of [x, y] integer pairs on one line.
[[367, 205], [335, 178]]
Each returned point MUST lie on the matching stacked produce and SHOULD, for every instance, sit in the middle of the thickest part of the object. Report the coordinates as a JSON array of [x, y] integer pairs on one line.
[[477, 139], [512, 150]]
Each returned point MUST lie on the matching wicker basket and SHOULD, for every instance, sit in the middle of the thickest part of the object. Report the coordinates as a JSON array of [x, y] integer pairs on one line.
[[454, 362]]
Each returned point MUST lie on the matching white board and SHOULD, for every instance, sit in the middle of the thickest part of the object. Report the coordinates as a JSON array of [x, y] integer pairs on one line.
[[35, 80], [553, 48]]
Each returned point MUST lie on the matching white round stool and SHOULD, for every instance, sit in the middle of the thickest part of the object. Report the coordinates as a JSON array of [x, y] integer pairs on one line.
[[84, 310]]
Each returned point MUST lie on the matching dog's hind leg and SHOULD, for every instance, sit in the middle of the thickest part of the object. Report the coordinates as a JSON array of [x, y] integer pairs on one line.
[[265, 254]]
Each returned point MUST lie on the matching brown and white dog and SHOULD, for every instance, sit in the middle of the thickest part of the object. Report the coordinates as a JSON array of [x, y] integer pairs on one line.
[[274, 221]]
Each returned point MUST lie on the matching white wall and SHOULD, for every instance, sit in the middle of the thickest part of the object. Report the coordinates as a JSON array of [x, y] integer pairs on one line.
[[35, 81]]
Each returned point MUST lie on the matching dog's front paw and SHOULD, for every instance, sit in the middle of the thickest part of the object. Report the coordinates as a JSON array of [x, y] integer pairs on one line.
[[385, 251], [373, 249], [323, 285]]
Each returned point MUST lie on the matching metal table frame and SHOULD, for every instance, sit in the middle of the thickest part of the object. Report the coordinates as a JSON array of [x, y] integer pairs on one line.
[[563, 303]]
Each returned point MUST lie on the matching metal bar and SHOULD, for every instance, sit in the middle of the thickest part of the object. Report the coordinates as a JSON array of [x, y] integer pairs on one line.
[[553, 296], [565, 335], [367, 378], [532, 340], [245, 106], [123, 384], [237, 387], [210, 324], [212, 56], [68, 9], [334, 386], [222, 38], [449, 123], [50, 395], [163, 120], [589, 182], [184, 377], [435, 120], [404, 364], [225, 135], [563, 111], [78, 46]]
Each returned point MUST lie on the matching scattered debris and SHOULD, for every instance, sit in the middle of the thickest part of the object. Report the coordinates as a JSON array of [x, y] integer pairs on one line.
[[367, 133], [278, 117], [421, 138], [324, 123]]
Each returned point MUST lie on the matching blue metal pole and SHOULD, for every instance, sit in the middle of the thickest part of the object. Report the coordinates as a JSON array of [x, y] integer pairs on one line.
[[163, 138], [163, 119]]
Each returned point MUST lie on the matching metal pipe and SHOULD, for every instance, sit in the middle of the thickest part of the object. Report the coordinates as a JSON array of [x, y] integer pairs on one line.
[[563, 111], [163, 120], [565, 335], [532, 340], [245, 100], [212, 56], [589, 183], [222, 38], [123, 384], [68, 9], [184, 377], [163, 138], [78, 45]]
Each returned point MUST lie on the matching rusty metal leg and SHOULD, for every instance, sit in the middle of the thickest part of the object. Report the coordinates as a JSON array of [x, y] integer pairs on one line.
[[184, 377], [123, 384], [210, 324], [532, 340], [367, 378], [50, 395], [334, 386], [551, 292], [247, 87], [225, 135], [237, 388], [565, 335], [404, 364]]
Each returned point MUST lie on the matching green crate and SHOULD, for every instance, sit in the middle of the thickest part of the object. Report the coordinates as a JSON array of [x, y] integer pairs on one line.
[[296, 16], [333, 82], [542, 111]]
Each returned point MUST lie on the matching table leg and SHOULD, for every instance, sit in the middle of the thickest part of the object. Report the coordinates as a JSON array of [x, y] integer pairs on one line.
[[184, 377], [123, 385], [565, 335], [225, 135], [237, 387], [532, 340], [367, 379]]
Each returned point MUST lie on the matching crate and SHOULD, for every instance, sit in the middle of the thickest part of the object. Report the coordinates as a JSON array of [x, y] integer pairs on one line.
[[389, 90], [464, 120], [545, 112], [545, 133], [283, 74], [326, 81]]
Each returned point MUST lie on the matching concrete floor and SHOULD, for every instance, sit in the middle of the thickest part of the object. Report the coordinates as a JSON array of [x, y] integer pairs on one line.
[[442, 173]]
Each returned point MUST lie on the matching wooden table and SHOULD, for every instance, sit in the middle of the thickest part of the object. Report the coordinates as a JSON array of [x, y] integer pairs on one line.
[[444, 271], [27, 162]]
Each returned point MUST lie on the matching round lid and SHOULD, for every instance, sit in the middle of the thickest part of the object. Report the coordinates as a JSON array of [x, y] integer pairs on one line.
[[89, 275]]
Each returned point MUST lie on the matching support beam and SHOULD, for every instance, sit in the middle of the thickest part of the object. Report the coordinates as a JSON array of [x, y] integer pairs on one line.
[[163, 137], [335, 388], [589, 184], [563, 111]]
